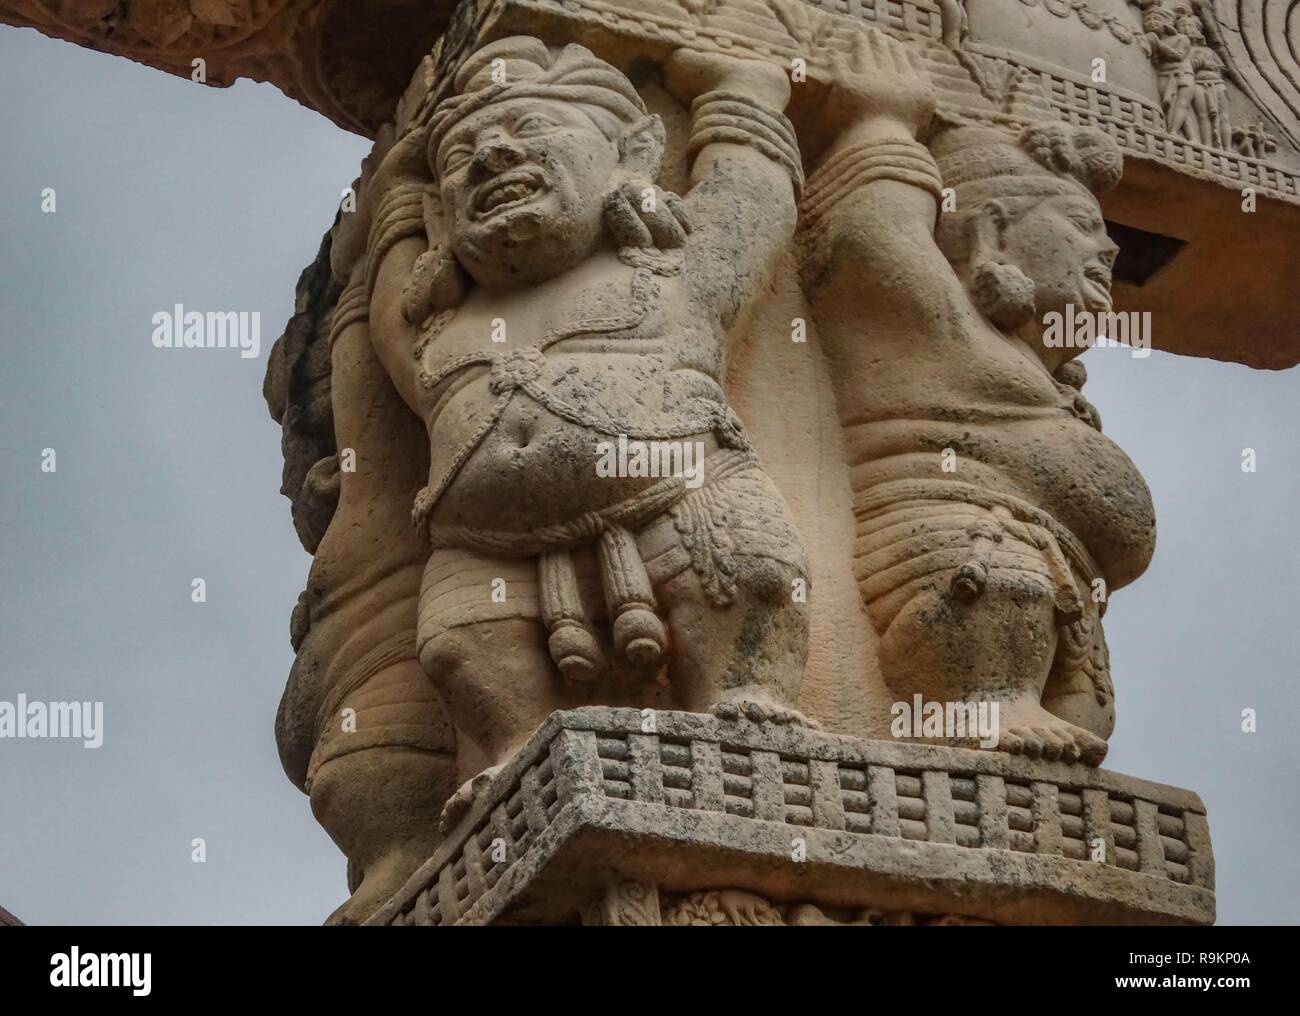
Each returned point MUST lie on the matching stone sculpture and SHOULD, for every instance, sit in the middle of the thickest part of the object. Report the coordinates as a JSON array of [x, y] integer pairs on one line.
[[1193, 92], [1171, 53], [1210, 101], [990, 508], [532, 295], [612, 300], [522, 285], [633, 663], [1254, 141]]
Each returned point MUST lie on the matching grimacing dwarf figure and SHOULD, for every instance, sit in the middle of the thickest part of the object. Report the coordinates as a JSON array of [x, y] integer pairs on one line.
[[993, 516], [562, 301]]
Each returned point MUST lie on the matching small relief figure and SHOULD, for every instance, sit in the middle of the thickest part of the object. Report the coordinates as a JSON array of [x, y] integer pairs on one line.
[[954, 23], [1210, 101], [1170, 51], [990, 508], [1253, 141], [561, 311]]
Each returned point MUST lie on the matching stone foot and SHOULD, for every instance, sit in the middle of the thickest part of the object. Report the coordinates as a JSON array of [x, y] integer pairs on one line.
[[760, 706], [460, 802], [1026, 728]]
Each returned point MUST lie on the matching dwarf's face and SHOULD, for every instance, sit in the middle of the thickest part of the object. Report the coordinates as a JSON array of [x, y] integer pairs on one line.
[[1061, 244], [523, 184]]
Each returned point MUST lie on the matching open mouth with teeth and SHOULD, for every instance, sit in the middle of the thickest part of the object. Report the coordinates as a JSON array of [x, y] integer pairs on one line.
[[510, 190], [1098, 274], [1099, 277]]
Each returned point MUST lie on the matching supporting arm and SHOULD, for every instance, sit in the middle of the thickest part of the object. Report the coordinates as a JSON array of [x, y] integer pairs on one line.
[[394, 201], [871, 207], [744, 177]]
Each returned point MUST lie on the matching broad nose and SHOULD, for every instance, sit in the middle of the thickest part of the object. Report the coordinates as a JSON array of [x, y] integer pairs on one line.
[[496, 154], [1109, 252]]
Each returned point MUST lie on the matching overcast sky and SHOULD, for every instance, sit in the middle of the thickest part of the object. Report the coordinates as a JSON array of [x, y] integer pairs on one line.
[[168, 469]]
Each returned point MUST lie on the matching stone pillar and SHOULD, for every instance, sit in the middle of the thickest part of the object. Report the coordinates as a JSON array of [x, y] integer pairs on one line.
[[724, 358], [575, 208]]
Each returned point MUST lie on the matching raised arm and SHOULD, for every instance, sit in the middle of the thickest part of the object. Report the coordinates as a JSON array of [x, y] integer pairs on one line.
[[392, 202], [745, 174], [871, 206]]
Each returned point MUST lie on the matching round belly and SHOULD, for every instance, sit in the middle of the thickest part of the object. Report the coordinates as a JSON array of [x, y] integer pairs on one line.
[[1057, 463], [536, 469]]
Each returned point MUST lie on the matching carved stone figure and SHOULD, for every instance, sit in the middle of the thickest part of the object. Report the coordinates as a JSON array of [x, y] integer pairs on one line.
[[954, 23], [990, 508], [568, 692], [360, 728], [568, 305], [1210, 101], [1254, 141], [1170, 52]]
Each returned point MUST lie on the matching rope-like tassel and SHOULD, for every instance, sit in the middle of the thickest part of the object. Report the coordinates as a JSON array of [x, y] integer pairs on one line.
[[573, 646], [639, 635]]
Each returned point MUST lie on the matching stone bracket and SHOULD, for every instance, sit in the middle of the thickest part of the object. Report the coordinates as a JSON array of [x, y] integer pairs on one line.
[[594, 800]]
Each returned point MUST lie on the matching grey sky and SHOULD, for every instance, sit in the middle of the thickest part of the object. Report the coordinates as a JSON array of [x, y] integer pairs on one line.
[[168, 469]]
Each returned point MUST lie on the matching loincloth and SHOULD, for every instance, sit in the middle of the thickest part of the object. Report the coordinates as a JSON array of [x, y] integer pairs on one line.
[[914, 535], [909, 531], [589, 570]]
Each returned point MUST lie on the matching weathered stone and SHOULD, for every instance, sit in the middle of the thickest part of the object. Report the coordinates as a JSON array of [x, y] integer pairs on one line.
[[352, 61], [546, 845], [821, 253], [345, 59], [536, 209]]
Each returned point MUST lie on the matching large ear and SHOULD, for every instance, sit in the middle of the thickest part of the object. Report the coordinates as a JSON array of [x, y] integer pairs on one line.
[[641, 149], [987, 227], [438, 282], [1003, 293]]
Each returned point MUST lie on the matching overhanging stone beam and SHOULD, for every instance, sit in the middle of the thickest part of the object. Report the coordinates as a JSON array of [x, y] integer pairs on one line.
[[350, 61]]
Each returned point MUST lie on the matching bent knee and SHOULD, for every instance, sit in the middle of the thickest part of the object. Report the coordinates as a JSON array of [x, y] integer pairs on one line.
[[451, 649], [773, 581]]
